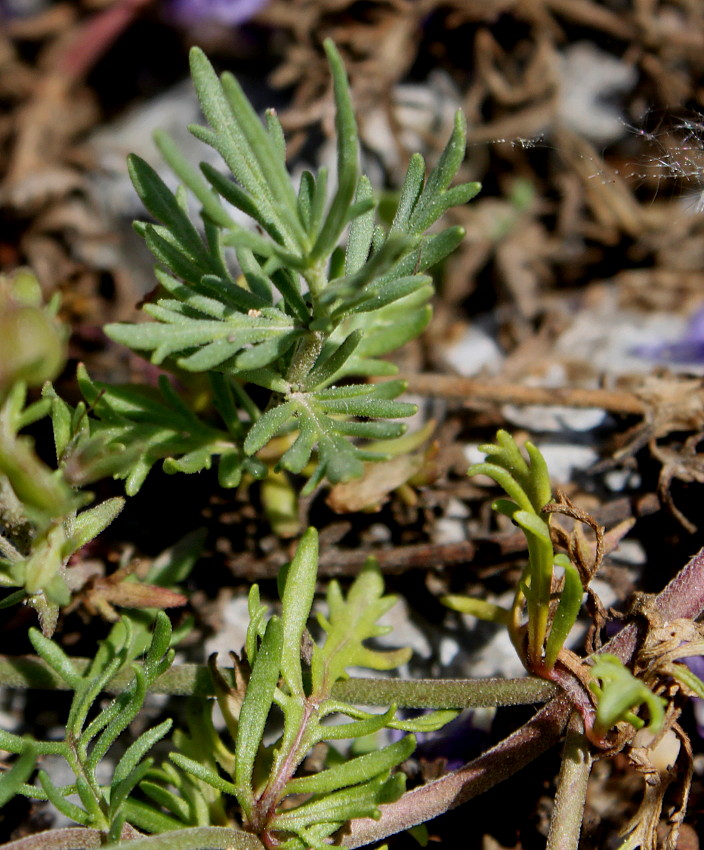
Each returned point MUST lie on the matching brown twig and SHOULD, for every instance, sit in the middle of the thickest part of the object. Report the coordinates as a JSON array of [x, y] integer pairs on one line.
[[347, 562], [470, 390]]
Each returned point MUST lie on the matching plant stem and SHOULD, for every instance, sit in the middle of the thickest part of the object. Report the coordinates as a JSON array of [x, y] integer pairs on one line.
[[197, 838], [193, 838], [568, 812], [445, 693], [451, 386], [506, 758], [307, 352], [683, 597], [28, 671], [70, 838]]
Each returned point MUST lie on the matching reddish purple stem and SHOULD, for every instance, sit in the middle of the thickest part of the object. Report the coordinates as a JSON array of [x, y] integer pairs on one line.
[[682, 598]]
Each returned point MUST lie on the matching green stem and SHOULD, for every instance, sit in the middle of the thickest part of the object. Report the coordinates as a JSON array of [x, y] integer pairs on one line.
[[317, 281], [307, 352], [28, 671], [445, 693], [568, 811]]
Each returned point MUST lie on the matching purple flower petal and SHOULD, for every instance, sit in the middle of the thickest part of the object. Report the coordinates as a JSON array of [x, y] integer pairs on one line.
[[226, 12], [689, 349]]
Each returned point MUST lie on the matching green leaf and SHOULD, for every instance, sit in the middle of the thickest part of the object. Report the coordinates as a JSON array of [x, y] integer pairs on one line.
[[276, 133], [296, 602], [425, 211], [57, 799], [191, 178], [267, 151], [55, 657], [169, 800], [266, 428], [355, 771], [21, 770], [347, 158], [565, 615], [138, 750], [255, 710], [533, 524], [90, 523], [619, 692], [130, 704], [410, 192], [205, 773], [162, 204], [349, 623], [330, 363], [60, 420], [361, 231], [251, 153], [156, 424], [297, 456], [346, 804], [479, 608], [504, 478], [120, 791]]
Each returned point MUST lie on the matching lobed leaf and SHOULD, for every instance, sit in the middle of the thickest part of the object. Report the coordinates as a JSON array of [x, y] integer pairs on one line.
[[155, 424], [351, 621]]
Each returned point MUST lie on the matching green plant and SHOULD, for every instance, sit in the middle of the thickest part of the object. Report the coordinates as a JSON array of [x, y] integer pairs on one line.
[[283, 338], [88, 738], [41, 522], [550, 604], [528, 484], [273, 677], [282, 323]]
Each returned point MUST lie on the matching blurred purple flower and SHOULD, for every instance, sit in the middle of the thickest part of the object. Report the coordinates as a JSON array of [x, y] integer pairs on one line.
[[689, 349], [224, 12]]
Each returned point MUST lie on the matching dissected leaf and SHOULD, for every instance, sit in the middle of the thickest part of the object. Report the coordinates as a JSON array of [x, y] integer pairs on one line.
[[351, 621]]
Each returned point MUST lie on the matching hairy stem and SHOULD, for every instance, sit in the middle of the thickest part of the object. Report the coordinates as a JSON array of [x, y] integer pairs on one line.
[[28, 671], [427, 802], [445, 693], [683, 597], [71, 838], [197, 838], [568, 811], [307, 352], [193, 838]]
